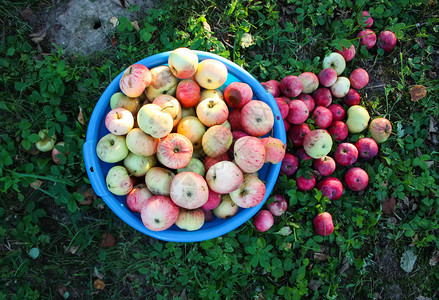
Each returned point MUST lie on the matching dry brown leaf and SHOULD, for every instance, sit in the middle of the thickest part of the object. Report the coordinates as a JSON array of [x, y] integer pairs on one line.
[[72, 249], [40, 33], [345, 265], [435, 258], [114, 21], [136, 25], [99, 284], [113, 42], [389, 206], [26, 14], [36, 184], [108, 240], [320, 256], [80, 116], [418, 92]]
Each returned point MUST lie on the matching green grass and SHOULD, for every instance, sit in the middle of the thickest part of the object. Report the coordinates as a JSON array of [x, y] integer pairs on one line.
[[360, 260]]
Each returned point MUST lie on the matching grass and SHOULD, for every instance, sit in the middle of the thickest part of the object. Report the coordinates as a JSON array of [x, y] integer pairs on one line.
[[363, 259]]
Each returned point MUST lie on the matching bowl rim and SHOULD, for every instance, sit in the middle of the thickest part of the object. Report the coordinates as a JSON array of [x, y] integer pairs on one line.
[[94, 169]]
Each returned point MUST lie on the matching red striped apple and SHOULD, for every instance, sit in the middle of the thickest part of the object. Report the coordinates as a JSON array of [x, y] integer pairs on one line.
[[249, 154], [250, 193], [216, 140], [212, 111], [134, 80], [188, 93], [237, 94], [137, 197], [159, 213], [174, 151], [224, 177], [189, 190]]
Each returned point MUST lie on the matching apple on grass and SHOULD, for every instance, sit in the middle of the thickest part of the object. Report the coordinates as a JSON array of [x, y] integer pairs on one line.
[[298, 112], [341, 87], [367, 148], [237, 94], [162, 82], [141, 143], [387, 40], [170, 105], [183, 62], [174, 151], [158, 180], [138, 165], [346, 154], [212, 112], [134, 80], [154, 121], [211, 73], [120, 100], [317, 143], [358, 118], [367, 38], [58, 152], [325, 165], [45, 143], [190, 219], [331, 187], [272, 87], [289, 165], [188, 93], [137, 197], [327, 77], [216, 140], [250, 193], [194, 165], [226, 209], [322, 117], [322, 97], [274, 149], [338, 130], [306, 184], [365, 19], [192, 128], [189, 190], [308, 99], [283, 107], [119, 181], [159, 213], [112, 148], [380, 129], [347, 53], [119, 121], [323, 224], [257, 119], [277, 205], [263, 220], [291, 86], [310, 82], [359, 78], [334, 61], [249, 154], [352, 97], [356, 179], [224, 177], [297, 133], [338, 112]]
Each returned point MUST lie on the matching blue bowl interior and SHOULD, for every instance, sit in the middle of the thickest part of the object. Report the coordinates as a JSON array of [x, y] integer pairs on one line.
[[97, 169]]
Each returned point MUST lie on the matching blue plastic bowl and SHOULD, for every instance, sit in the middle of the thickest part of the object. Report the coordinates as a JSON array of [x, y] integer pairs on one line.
[[97, 169]]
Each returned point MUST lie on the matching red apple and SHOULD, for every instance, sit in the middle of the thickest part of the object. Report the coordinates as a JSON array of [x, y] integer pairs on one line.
[[272, 86], [174, 151], [237, 94], [274, 149], [224, 177], [289, 165], [367, 18], [250, 193], [287, 124], [277, 205], [302, 155], [235, 119], [216, 140], [380, 129], [322, 117], [236, 135], [213, 200], [283, 107], [137, 197], [346, 154], [324, 165], [188, 93], [210, 161], [134, 80], [297, 133], [347, 53], [263, 220], [159, 213], [387, 40], [291, 86], [298, 112], [249, 154], [304, 184], [322, 97], [323, 224], [367, 148], [351, 98], [338, 112], [359, 78], [308, 99], [356, 179], [327, 77], [331, 187], [57, 152], [338, 130], [257, 119], [367, 38]]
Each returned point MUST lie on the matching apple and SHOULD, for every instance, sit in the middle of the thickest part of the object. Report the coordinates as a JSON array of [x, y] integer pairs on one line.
[[188, 93], [367, 38], [174, 151], [322, 117], [208, 215], [211, 73], [297, 133], [283, 107], [162, 82], [322, 97], [236, 135], [58, 151], [289, 165], [334, 61], [367, 148], [192, 128], [387, 40], [190, 220], [310, 82], [210, 161], [217, 140], [323, 224], [138, 165], [112, 148], [291, 86], [170, 105], [287, 124], [118, 181], [119, 121], [134, 80], [194, 165], [257, 119], [141, 143], [237, 94], [358, 118], [359, 78], [366, 18], [226, 209], [352, 98], [159, 213], [274, 149], [263, 220], [249, 154], [338, 112], [188, 111], [356, 179], [154, 121], [273, 87], [317, 143], [338, 130], [137, 197], [45, 143], [158, 180], [199, 153], [301, 154], [341, 87], [308, 99], [212, 111], [224, 177], [189, 190], [213, 200], [235, 119], [304, 184], [277, 205], [324, 165], [331, 187], [380, 129], [250, 193], [298, 112], [347, 53], [183, 62], [327, 77], [120, 100], [346, 154]]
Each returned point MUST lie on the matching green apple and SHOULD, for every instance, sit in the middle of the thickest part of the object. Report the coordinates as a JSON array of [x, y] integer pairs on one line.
[[154, 121], [334, 61], [162, 82], [190, 219], [227, 208], [138, 165], [195, 165], [158, 180], [119, 181], [317, 143], [358, 118], [120, 100], [112, 148], [46, 142]]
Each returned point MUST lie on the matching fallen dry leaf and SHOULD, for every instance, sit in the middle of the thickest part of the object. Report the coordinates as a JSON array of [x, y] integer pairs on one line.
[[72, 249], [99, 284], [26, 13], [113, 42], [435, 258], [345, 265], [314, 284], [418, 92], [36, 184], [114, 21], [320, 256], [108, 240], [38, 37], [80, 116], [135, 25], [97, 274], [389, 206]]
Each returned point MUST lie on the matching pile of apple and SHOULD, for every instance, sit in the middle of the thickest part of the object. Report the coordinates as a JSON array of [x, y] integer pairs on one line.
[[184, 151], [320, 112]]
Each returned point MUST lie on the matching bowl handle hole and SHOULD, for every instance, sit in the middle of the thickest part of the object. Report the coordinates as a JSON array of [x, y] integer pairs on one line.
[[91, 169]]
